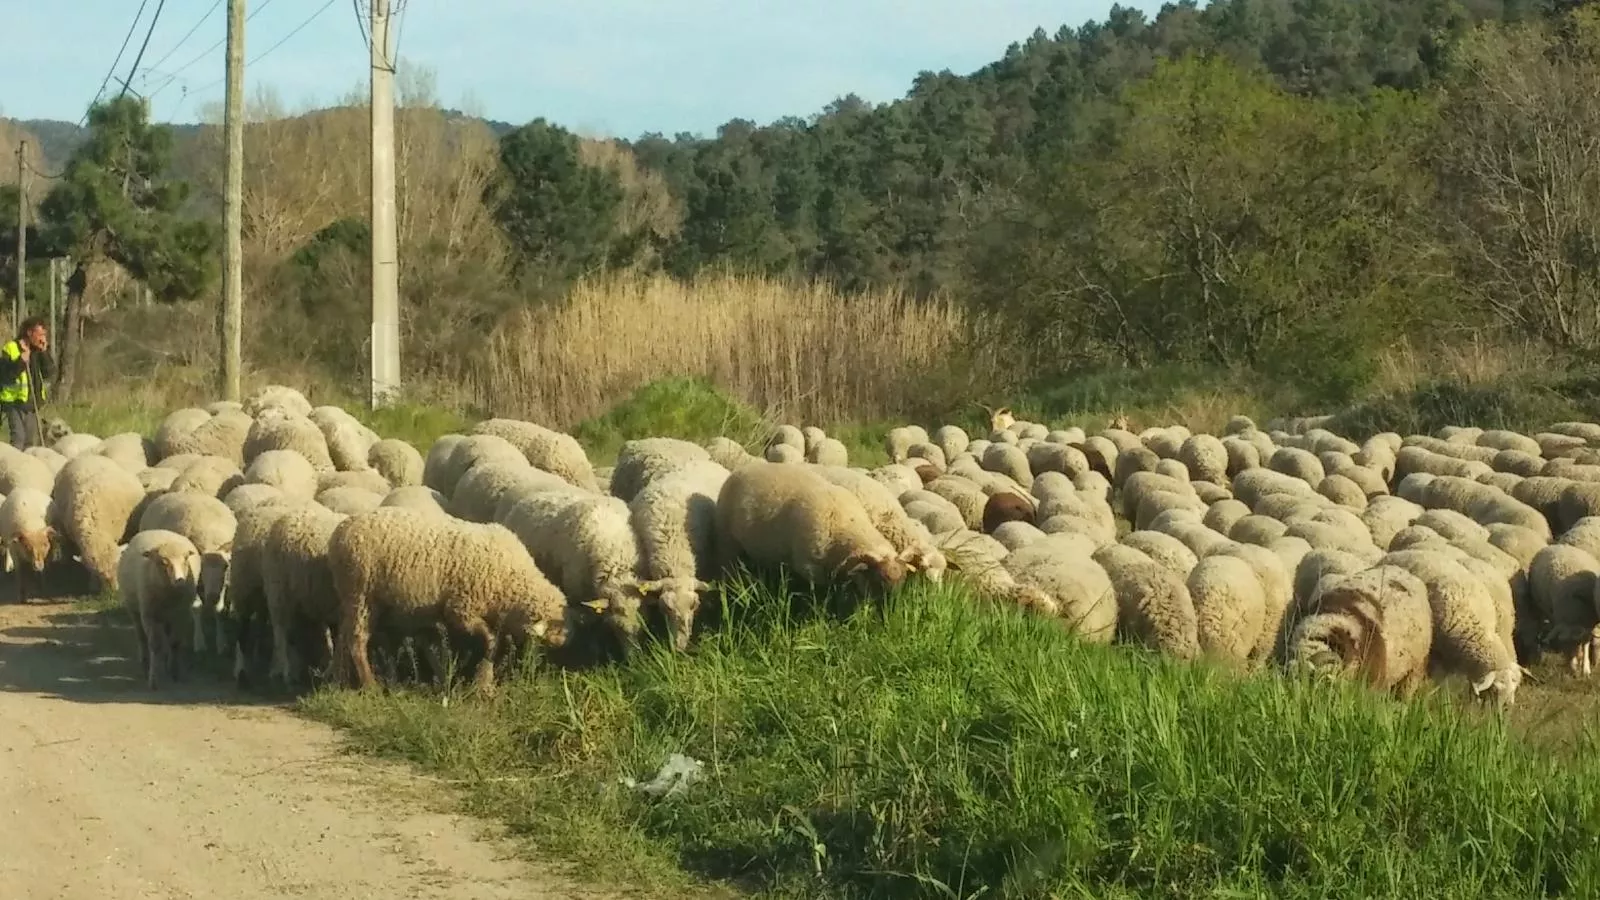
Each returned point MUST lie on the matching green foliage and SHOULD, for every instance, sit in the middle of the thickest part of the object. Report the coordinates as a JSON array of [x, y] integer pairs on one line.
[[1525, 404], [940, 748], [558, 213], [688, 408], [116, 201]]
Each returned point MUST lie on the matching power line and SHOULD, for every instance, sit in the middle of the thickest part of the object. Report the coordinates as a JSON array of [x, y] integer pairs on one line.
[[186, 35], [113, 69], [281, 41], [43, 174], [160, 5], [204, 53]]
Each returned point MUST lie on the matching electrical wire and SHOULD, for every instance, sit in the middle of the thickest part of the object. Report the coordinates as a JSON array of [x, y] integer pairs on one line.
[[281, 41], [204, 53], [160, 5], [113, 70], [186, 35]]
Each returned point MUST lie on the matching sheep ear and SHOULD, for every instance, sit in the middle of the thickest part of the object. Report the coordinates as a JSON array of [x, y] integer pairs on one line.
[[701, 585], [1528, 674], [1487, 682], [598, 606], [855, 565], [648, 587]]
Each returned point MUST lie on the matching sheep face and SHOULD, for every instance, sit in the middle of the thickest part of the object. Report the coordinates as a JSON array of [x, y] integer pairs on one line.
[[679, 599], [521, 626], [34, 547], [929, 562], [620, 605], [180, 571], [1499, 687], [214, 577], [875, 570]]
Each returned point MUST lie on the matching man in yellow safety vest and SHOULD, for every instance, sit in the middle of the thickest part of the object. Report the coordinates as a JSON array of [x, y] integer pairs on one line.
[[25, 367]]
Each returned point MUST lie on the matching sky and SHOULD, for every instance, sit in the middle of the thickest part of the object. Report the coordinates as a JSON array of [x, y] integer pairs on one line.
[[601, 67]]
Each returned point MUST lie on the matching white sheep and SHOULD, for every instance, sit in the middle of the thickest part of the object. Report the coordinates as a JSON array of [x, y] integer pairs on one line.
[[93, 508], [552, 451], [780, 514], [287, 470], [410, 570], [585, 542], [675, 520], [641, 461], [1376, 624], [397, 461], [156, 577], [209, 525], [297, 583], [26, 536]]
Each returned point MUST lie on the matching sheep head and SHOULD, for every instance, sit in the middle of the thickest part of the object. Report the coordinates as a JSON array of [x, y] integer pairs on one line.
[[34, 547], [619, 603], [1499, 686], [927, 560], [178, 567], [882, 567], [679, 599], [213, 580]]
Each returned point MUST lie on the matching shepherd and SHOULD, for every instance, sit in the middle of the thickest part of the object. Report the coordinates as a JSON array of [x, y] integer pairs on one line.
[[24, 364]]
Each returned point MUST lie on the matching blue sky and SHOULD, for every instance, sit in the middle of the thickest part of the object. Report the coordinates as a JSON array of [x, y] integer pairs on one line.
[[619, 67]]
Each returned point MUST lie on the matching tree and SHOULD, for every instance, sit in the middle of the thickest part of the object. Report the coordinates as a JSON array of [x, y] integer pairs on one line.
[[559, 214], [1220, 220], [1519, 159], [116, 203]]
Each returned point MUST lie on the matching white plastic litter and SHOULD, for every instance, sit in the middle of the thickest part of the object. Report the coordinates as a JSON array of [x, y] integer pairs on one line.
[[673, 778]]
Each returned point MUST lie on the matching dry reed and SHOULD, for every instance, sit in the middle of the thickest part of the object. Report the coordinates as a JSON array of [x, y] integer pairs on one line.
[[809, 352]]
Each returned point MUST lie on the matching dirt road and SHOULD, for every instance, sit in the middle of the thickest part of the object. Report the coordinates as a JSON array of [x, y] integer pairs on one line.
[[109, 791]]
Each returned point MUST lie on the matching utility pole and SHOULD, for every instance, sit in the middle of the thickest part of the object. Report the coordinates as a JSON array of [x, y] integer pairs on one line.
[[230, 318], [20, 305], [55, 269], [385, 254]]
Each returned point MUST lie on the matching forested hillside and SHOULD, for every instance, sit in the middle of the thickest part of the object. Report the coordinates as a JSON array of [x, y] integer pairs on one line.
[[1286, 186]]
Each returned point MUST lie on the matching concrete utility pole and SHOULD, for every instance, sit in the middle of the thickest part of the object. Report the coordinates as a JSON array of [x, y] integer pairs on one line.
[[19, 306], [230, 317], [385, 240]]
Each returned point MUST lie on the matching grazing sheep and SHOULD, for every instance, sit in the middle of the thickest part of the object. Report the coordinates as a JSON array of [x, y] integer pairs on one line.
[[94, 509], [777, 514], [1153, 604], [408, 570], [641, 461], [397, 461], [1466, 623], [277, 395], [221, 435], [277, 430], [350, 500], [177, 425], [297, 584], [552, 451], [287, 470], [675, 519], [248, 496], [479, 492], [586, 544], [1068, 584], [214, 475], [18, 470], [416, 497], [156, 576], [1002, 508], [1229, 606], [1375, 624]]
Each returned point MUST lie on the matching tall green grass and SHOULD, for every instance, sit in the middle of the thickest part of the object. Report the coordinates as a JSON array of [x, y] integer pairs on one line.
[[936, 747]]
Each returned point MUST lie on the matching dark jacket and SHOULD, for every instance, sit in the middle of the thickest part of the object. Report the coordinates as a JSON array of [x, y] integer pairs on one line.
[[41, 369]]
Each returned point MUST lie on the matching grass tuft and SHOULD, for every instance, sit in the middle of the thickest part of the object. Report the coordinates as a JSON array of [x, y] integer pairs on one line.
[[940, 748]]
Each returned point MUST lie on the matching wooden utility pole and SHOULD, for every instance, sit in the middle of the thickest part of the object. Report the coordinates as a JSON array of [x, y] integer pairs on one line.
[[58, 295], [19, 306], [385, 254], [55, 287], [230, 317]]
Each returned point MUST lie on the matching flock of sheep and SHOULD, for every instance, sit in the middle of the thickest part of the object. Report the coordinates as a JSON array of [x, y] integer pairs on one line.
[[293, 537]]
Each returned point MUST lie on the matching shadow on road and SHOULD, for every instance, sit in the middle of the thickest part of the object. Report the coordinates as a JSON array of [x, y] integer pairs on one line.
[[91, 657]]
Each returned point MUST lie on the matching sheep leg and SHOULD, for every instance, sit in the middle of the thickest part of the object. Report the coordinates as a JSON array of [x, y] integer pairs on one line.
[[282, 666], [197, 614], [221, 631], [159, 649], [476, 627], [143, 641], [355, 632]]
